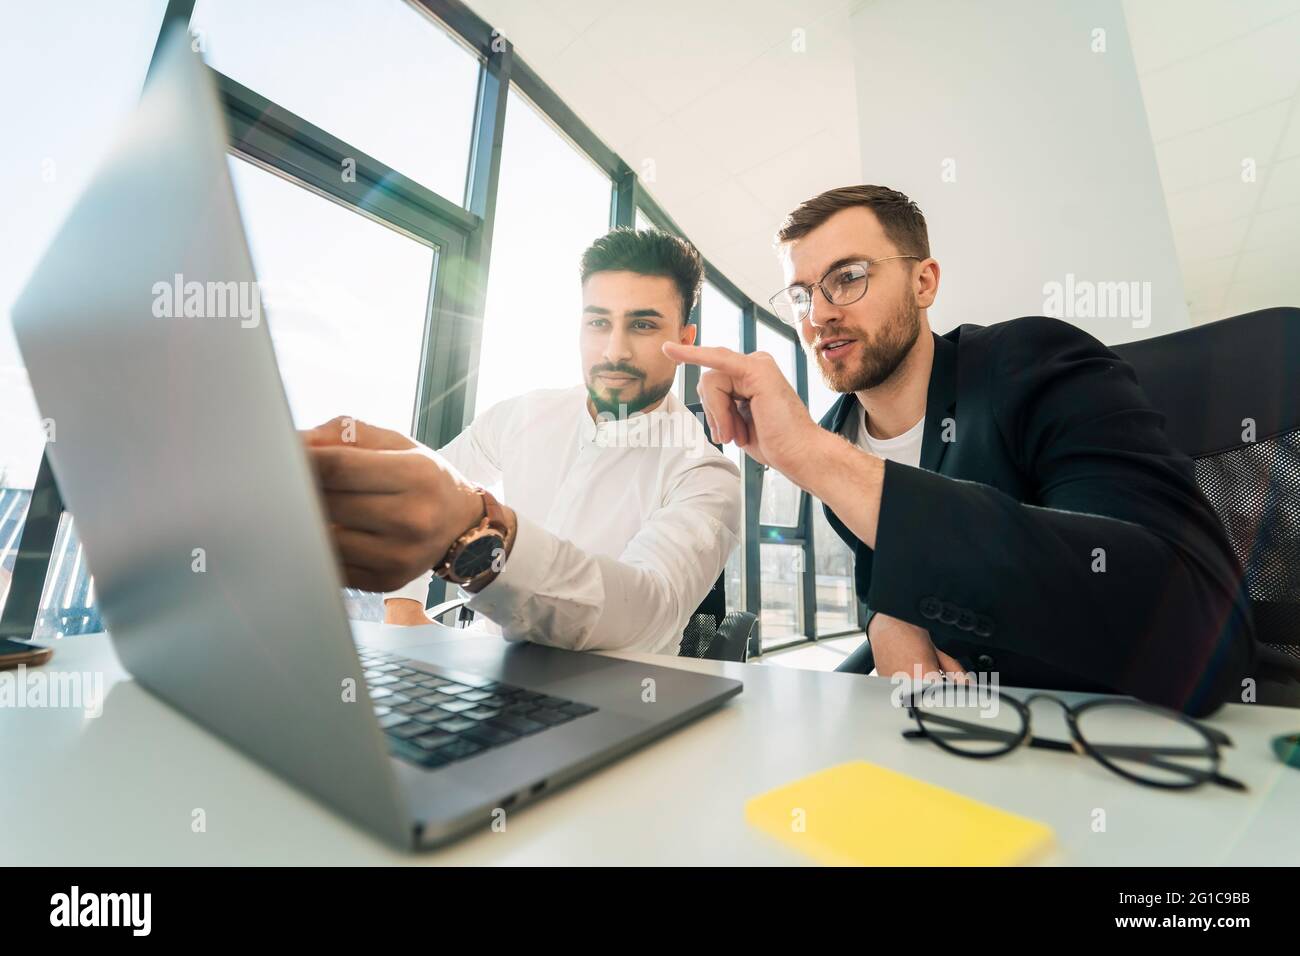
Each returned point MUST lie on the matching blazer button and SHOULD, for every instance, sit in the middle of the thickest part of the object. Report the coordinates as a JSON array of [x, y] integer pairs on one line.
[[930, 607], [984, 626], [966, 620], [948, 613], [984, 663]]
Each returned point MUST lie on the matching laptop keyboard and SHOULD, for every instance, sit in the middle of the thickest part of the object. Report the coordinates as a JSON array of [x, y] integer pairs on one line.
[[433, 716]]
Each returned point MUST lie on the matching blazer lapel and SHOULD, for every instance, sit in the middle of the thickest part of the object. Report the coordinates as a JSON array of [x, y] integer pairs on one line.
[[940, 403], [833, 420]]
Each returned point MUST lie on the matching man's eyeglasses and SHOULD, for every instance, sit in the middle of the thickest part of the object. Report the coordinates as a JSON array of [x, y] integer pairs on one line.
[[845, 284], [1142, 742]]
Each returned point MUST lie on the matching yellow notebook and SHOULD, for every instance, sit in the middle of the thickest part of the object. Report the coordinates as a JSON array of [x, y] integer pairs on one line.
[[858, 814]]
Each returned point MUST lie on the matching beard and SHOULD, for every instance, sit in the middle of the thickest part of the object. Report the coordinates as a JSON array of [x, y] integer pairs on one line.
[[880, 356], [618, 406]]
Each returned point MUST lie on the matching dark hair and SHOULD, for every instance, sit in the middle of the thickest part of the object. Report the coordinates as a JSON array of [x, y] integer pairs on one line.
[[899, 217], [648, 252]]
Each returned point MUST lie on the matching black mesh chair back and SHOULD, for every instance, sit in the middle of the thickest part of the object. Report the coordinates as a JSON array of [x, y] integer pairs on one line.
[[1230, 394]]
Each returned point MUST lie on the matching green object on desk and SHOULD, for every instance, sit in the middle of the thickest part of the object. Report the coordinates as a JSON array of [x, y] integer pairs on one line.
[[1287, 748]]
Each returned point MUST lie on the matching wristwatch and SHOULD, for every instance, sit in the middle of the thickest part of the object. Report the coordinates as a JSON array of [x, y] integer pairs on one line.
[[475, 557]]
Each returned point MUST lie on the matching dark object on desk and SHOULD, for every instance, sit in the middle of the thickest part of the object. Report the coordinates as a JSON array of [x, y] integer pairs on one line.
[[1287, 748], [13, 653], [1230, 394], [1150, 745]]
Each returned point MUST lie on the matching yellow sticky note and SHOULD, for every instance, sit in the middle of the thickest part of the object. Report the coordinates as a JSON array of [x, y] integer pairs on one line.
[[858, 814]]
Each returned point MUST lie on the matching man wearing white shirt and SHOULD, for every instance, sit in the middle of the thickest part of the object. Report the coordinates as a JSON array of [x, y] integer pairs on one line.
[[616, 514]]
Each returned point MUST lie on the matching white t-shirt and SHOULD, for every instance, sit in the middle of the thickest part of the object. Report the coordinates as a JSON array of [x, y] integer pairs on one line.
[[904, 449]]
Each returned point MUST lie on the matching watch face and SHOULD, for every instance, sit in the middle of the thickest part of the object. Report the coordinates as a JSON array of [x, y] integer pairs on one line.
[[477, 556]]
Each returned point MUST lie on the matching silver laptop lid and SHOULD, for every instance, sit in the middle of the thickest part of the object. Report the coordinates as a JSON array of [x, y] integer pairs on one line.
[[174, 448]]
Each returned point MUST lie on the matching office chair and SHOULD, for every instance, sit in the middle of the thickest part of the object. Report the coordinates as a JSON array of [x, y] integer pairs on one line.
[[713, 633], [1230, 394]]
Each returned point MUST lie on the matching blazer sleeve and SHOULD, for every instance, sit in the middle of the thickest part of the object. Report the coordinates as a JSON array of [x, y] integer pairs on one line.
[[1119, 572]]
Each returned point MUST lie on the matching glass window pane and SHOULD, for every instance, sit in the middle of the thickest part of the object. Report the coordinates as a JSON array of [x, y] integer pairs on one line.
[[90, 60], [345, 301], [837, 605], [720, 325], [780, 504], [13, 512], [820, 397], [68, 600], [781, 348], [721, 319], [381, 76], [781, 583], [552, 203]]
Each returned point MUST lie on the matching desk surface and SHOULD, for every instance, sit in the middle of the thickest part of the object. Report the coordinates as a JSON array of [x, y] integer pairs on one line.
[[122, 788]]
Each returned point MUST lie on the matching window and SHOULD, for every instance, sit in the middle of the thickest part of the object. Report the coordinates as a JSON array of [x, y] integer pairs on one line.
[[782, 589], [837, 602], [551, 204], [720, 321], [780, 504], [91, 59], [346, 300], [381, 76]]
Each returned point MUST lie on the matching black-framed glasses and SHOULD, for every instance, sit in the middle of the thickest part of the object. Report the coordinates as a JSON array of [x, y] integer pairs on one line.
[[1141, 742], [844, 284]]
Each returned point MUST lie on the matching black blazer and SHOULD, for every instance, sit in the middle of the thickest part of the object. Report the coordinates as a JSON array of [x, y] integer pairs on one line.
[[1057, 467]]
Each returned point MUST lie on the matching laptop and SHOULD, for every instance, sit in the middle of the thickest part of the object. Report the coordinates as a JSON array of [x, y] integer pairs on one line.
[[174, 447]]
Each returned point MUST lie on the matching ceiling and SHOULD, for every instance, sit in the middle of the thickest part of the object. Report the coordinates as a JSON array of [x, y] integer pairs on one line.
[[1221, 82], [699, 103]]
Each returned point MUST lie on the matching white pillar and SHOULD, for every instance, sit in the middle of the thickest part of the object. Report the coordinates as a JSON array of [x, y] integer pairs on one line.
[[1018, 127]]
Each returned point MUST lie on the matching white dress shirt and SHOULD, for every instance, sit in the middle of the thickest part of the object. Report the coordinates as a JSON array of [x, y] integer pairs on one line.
[[624, 525]]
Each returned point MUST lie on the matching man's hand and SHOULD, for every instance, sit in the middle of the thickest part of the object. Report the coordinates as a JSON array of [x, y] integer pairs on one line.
[[747, 400], [394, 506], [899, 648], [405, 612]]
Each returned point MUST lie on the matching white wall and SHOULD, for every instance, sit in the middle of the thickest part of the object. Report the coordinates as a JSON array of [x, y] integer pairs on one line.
[[1054, 173]]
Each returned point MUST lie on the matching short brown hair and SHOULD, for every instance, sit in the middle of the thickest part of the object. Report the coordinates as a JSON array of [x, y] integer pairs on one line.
[[649, 252], [899, 216]]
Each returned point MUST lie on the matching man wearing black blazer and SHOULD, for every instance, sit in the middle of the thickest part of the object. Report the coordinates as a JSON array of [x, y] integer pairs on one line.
[[1009, 494]]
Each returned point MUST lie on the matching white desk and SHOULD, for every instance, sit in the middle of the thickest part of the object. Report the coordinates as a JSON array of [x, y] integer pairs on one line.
[[121, 788]]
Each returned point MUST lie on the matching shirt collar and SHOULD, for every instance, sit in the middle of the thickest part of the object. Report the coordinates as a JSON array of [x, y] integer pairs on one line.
[[613, 432]]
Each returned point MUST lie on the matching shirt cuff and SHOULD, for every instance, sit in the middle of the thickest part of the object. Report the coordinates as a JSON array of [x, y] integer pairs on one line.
[[504, 598], [417, 590]]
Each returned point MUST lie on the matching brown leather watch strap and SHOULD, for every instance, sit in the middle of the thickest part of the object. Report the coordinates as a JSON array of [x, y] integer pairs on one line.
[[494, 513]]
